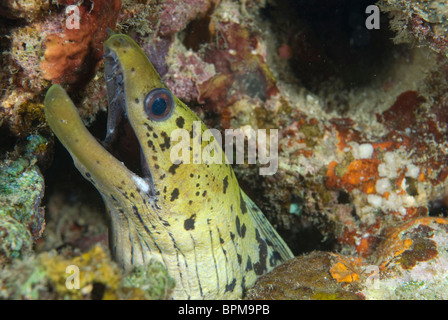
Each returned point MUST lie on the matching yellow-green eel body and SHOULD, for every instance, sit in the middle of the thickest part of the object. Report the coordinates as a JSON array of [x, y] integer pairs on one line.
[[194, 218]]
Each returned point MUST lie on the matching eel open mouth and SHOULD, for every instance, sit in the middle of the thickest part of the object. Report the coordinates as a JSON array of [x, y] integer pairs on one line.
[[120, 139]]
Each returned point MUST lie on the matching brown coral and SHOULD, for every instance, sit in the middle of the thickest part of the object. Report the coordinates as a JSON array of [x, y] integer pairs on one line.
[[73, 55]]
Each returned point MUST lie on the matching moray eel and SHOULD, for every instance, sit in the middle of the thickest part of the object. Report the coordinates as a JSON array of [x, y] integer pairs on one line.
[[194, 218]]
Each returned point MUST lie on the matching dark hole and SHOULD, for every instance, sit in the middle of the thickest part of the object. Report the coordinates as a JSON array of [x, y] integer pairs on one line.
[[343, 197], [7, 140], [62, 176], [197, 33], [98, 291], [438, 208], [329, 41]]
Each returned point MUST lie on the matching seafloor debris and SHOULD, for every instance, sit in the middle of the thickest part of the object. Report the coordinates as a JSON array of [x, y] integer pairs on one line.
[[361, 120]]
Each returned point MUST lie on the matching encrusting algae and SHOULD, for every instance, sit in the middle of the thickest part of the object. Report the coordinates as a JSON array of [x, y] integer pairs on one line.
[[21, 192], [362, 127], [54, 276]]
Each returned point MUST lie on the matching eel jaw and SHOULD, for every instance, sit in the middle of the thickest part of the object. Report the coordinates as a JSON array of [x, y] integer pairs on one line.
[[115, 93], [120, 139]]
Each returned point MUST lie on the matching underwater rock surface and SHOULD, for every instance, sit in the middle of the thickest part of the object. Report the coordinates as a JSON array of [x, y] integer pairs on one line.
[[45, 277], [21, 192], [362, 174]]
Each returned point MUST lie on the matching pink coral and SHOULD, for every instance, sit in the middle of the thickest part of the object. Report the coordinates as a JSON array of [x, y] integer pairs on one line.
[[191, 71], [175, 14]]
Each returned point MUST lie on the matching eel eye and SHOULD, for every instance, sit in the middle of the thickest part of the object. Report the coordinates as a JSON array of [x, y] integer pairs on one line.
[[159, 104]]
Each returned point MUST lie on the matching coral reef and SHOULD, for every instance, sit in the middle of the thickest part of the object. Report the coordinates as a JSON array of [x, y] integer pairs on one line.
[[51, 276], [188, 69], [362, 136], [412, 260], [174, 15], [363, 166], [422, 23], [72, 220], [352, 160], [153, 280], [409, 264], [21, 9], [49, 49], [21, 190]]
